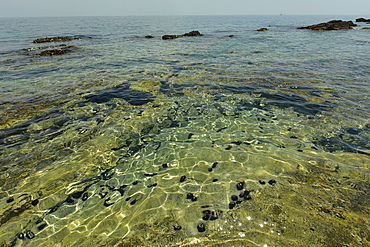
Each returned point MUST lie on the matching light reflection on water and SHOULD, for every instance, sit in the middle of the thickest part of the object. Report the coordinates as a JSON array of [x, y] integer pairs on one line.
[[129, 141]]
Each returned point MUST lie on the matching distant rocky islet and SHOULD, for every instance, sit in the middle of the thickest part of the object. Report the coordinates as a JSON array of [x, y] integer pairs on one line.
[[63, 48]]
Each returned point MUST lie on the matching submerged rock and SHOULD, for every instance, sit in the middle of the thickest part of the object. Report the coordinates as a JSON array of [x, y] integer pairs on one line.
[[331, 25], [262, 29], [58, 51], [122, 91], [149, 37], [174, 36], [53, 39]]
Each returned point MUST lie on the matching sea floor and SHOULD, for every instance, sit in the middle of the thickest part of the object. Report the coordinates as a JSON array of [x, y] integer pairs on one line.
[[171, 162]]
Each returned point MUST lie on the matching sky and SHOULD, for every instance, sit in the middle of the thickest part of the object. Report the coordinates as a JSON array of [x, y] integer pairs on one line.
[[41, 8]]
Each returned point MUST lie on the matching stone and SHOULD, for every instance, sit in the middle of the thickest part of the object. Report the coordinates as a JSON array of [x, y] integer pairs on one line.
[[201, 227], [58, 51], [175, 36], [262, 29], [192, 33], [240, 186], [53, 39], [331, 25], [149, 37], [362, 20], [171, 36]]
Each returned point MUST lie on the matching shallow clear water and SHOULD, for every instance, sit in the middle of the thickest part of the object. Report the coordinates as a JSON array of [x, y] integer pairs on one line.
[[257, 139]]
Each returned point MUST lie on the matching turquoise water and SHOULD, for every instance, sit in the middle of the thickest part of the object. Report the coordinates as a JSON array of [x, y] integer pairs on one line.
[[259, 139]]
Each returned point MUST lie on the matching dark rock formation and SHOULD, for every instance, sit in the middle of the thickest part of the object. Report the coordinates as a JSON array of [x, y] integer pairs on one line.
[[362, 20], [122, 91], [262, 29], [169, 36], [53, 39], [57, 51], [231, 35], [331, 25], [192, 33], [149, 37]]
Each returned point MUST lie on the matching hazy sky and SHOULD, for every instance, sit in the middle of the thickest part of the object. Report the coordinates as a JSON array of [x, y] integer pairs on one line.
[[27, 8]]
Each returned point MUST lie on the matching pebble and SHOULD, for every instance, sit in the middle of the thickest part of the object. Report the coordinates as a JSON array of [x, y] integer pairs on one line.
[[42, 226], [272, 182], [30, 234], [165, 165], [234, 198], [21, 236], [35, 202], [232, 205], [177, 227], [261, 182], [189, 196], [201, 227], [11, 199], [214, 165], [182, 179], [85, 195], [240, 186], [133, 202]]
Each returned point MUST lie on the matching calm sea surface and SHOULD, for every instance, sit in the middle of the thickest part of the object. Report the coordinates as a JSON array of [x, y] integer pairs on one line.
[[233, 138]]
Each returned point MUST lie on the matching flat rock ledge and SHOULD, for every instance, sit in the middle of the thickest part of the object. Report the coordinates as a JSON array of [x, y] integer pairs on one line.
[[53, 39], [174, 36], [331, 25]]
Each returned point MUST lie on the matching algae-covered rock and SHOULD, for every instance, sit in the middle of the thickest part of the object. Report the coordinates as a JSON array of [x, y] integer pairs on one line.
[[171, 36], [331, 25], [192, 33], [53, 39], [174, 36], [60, 50]]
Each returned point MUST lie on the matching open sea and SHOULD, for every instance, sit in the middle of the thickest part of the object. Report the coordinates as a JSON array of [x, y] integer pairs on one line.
[[233, 138]]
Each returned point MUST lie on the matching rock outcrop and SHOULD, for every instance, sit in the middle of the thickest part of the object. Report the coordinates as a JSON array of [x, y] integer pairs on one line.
[[53, 39], [262, 29], [331, 25], [174, 36], [362, 20], [58, 51]]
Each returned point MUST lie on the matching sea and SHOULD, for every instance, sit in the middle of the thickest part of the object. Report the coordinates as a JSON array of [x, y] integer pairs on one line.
[[237, 137]]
